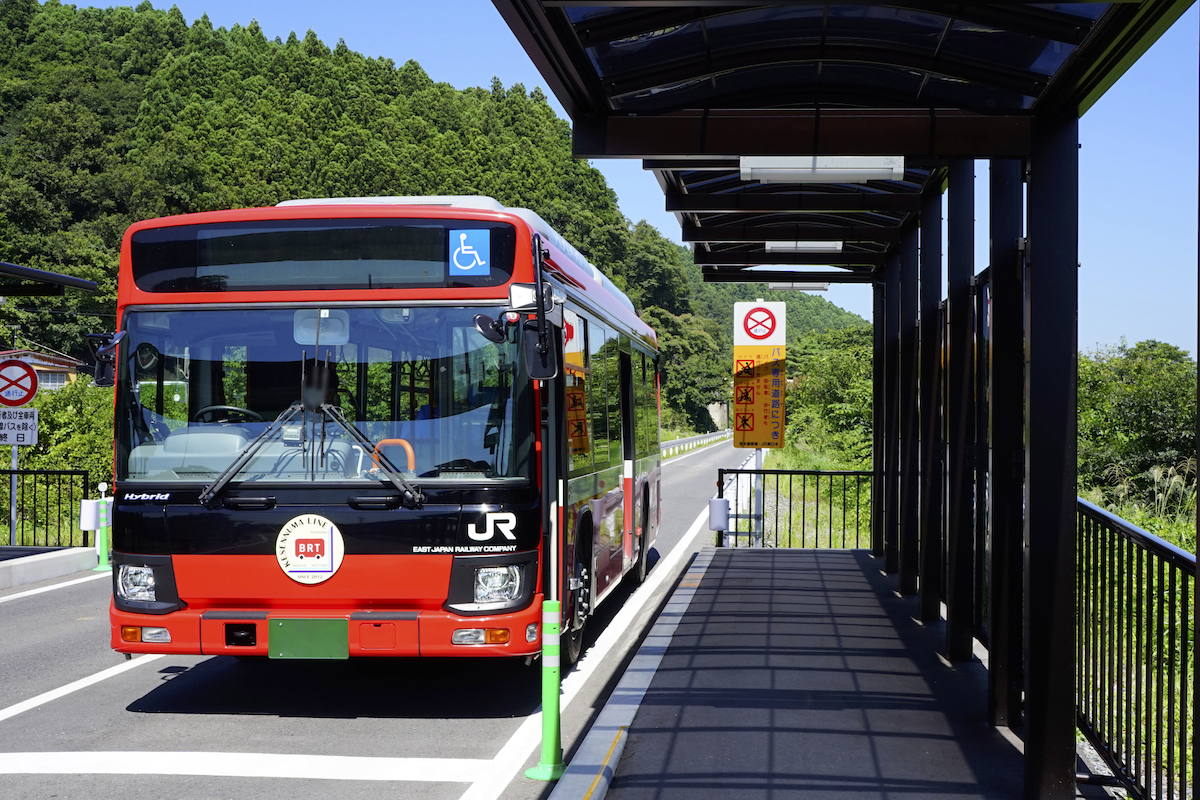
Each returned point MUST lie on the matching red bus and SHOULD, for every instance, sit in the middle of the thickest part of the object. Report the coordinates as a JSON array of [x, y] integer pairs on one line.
[[370, 427]]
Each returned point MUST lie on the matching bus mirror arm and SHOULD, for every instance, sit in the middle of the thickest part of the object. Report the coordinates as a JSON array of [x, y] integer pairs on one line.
[[104, 350]]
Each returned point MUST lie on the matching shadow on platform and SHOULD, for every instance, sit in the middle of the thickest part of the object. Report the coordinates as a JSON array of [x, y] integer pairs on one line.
[[801, 673]]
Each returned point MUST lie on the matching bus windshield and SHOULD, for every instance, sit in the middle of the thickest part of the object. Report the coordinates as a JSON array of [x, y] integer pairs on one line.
[[438, 401]]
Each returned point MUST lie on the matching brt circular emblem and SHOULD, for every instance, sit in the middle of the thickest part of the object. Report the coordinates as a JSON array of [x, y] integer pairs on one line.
[[309, 549]]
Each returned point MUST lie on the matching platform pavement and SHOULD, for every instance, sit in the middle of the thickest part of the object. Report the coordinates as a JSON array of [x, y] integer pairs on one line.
[[794, 674]]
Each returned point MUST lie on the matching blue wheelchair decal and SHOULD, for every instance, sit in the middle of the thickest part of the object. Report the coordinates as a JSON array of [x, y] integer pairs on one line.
[[470, 252]]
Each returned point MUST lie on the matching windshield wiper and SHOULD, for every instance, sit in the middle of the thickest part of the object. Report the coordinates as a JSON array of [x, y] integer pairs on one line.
[[411, 495], [209, 492]]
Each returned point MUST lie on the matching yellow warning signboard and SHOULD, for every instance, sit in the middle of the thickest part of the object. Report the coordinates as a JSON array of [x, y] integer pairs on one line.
[[759, 353]]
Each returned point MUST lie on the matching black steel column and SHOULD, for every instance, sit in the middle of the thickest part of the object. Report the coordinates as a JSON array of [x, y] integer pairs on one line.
[[930, 599], [909, 424], [1006, 471], [1051, 304], [891, 495], [878, 416], [960, 268]]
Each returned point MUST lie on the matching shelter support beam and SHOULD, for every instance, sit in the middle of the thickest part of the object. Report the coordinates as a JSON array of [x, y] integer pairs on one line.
[[930, 554], [891, 499], [1006, 469], [910, 461], [827, 132], [879, 395], [960, 268], [1051, 303]]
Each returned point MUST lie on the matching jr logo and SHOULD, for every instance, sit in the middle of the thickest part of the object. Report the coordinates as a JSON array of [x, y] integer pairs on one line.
[[503, 521]]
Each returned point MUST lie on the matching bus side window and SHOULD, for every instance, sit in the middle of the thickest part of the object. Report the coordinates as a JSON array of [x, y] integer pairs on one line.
[[642, 401], [598, 396], [575, 372], [612, 381]]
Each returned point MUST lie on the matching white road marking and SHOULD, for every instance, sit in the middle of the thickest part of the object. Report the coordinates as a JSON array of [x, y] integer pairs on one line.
[[82, 683], [694, 452], [508, 762], [246, 765], [62, 585]]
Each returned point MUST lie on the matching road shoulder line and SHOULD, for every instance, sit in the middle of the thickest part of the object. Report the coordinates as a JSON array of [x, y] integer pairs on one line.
[[594, 766]]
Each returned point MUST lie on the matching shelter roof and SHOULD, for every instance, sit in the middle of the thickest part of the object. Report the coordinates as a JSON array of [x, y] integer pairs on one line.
[[689, 87]]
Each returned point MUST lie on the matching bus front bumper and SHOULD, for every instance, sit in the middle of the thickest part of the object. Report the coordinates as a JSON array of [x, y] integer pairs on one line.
[[369, 632]]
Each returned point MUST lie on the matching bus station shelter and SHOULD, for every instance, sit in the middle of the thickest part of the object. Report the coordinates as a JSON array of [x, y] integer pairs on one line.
[[816, 142]]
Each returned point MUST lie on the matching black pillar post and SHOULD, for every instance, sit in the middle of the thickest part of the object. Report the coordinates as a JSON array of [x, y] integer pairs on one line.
[[960, 268], [1052, 299], [910, 463], [930, 599], [891, 495], [1006, 471], [878, 416]]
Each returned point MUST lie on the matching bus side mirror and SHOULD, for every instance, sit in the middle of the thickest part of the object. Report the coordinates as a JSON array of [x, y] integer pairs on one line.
[[104, 350], [540, 365]]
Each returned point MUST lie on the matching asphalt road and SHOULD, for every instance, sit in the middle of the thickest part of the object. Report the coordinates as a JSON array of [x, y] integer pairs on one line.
[[77, 720]]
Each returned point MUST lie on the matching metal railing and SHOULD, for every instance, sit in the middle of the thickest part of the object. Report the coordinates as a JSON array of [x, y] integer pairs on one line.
[[1135, 639], [677, 446], [47, 507], [796, 508]]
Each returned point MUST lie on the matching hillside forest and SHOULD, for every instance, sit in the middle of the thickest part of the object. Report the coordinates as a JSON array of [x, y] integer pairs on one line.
[[109, 116]]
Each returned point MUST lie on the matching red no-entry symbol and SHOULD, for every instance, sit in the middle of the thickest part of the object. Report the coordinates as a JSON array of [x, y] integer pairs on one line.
[[18, 383], [759, 323]]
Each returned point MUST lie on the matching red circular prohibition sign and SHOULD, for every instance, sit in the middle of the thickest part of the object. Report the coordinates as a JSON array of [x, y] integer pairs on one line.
[[18, 383], [759, 323]]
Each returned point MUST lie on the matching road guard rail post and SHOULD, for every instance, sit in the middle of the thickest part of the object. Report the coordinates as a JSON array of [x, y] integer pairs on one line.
[[93, 516], [550, 767]]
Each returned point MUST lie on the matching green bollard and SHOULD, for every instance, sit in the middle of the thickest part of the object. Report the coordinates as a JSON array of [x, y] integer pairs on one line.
[[102, 541], [551, 766]]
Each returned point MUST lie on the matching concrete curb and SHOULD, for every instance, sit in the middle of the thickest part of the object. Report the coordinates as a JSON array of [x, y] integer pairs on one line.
[[40, 567], [594, 766]]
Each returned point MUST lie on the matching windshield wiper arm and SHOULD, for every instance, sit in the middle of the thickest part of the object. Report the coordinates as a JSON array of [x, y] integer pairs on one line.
[[410, 494], [209, 492]]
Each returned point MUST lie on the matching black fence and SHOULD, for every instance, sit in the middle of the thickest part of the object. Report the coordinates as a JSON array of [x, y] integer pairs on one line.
[[1135, 640], [47, 505], [796, 508]]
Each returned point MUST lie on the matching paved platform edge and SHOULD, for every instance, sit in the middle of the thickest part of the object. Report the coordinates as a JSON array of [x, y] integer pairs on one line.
[[40, 567], [595, 763]]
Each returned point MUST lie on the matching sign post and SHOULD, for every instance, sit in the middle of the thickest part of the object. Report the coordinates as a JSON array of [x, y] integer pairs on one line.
[[759, 358], [18, 426]]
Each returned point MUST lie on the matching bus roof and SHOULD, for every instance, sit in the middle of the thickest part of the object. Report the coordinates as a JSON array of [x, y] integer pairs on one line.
[[482, 203]]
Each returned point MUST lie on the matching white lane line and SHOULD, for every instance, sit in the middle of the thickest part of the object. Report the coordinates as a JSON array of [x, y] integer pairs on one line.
[[62, 585], [246, 765], [508, 762], [82, 683]]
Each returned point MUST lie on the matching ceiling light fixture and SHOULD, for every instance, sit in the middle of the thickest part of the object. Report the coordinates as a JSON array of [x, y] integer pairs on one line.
[[804, 247], [802, 287], [821, 169]]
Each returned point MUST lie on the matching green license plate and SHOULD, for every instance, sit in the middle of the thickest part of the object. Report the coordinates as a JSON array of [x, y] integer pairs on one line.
[[308, 638]]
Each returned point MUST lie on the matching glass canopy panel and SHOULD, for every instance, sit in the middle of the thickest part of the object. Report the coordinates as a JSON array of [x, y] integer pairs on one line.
[[761, 27], [876, 84], [1086, 10], [688, 93], [646, 50], [949, 93], [981, 43], [896, 27], [766, 86]]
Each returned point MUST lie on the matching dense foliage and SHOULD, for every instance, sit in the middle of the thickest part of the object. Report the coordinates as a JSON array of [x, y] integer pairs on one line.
[[108, 116]]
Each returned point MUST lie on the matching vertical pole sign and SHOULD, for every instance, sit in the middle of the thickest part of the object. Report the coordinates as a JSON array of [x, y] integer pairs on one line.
[[18, 425], [759, 337]]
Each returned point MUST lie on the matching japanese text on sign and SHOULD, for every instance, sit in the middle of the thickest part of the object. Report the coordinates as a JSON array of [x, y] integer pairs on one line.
[[19, 426]]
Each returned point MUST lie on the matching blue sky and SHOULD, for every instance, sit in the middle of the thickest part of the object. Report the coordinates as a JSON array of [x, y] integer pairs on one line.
[[1138, 162]]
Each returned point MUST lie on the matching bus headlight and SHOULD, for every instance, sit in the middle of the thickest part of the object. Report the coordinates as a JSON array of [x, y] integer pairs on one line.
[[136, 583], [497, 584]]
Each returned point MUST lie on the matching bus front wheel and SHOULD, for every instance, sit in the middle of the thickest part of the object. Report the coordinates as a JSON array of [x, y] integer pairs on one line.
[[575, 626]]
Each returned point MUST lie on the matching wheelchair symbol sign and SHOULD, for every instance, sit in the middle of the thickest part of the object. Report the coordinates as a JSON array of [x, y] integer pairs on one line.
[[470, 252]]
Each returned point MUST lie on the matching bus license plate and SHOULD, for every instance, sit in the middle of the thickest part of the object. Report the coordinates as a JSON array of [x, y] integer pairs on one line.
[[308, 638]]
